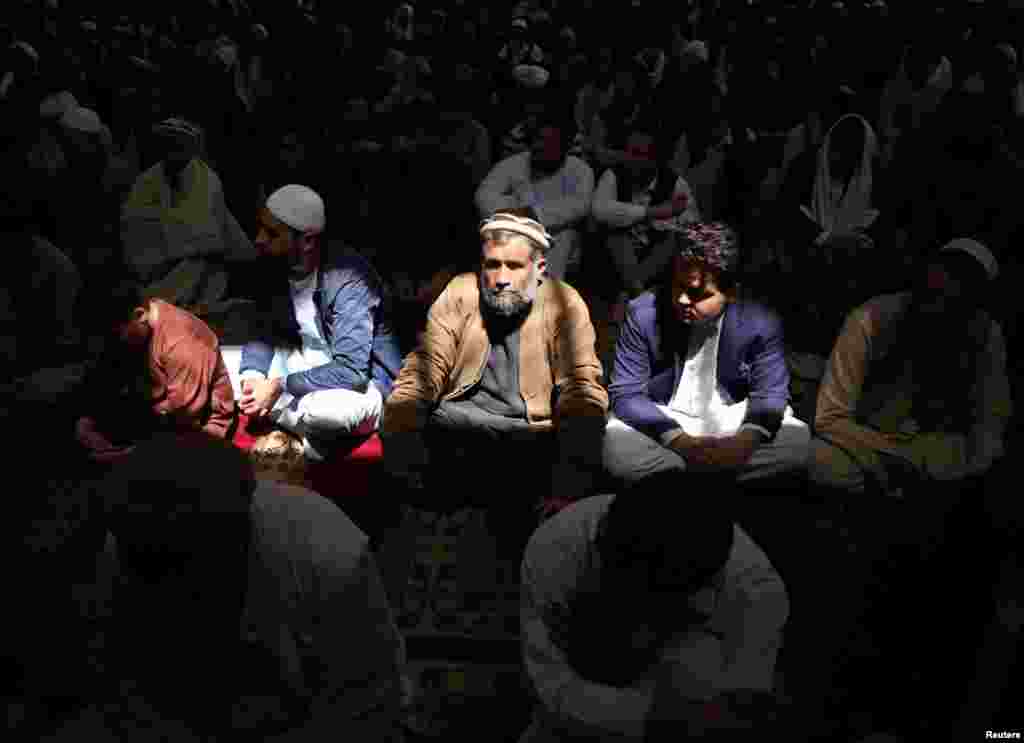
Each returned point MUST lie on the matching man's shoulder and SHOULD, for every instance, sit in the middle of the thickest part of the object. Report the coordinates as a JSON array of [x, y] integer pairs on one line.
[[757, 315], [577, 165], [465, 286], [644, 309], [282, 511], [878, 312], [177, 324], [568, 533], [518, 161], [345, 263]]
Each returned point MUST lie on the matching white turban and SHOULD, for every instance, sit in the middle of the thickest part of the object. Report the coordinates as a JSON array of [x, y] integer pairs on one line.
[[299, 207], [978, 251]]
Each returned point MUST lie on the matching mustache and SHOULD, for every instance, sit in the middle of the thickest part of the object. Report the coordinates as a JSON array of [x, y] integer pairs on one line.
[[505, 302]]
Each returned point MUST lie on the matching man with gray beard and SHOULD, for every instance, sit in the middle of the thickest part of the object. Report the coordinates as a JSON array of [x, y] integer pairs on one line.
[[505, 375]]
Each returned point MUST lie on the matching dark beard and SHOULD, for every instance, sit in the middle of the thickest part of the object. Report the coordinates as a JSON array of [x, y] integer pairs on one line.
[[505, 306]]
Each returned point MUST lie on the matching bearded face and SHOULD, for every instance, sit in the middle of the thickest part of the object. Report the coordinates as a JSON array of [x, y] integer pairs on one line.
[[509, 279], [275, 243]]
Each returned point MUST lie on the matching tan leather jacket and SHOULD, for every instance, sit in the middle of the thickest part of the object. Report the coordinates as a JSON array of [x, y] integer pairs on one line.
[[556, 348]]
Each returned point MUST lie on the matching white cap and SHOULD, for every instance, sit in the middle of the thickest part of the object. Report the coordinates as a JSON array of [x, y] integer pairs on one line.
[[82, 119], [531, 76], [974, 248], [299, 207]]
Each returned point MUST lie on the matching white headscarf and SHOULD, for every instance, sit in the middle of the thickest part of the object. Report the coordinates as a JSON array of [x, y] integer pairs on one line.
[[852, 211]]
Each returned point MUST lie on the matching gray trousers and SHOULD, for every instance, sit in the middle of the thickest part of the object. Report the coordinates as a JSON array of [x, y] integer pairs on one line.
[[630, 455]]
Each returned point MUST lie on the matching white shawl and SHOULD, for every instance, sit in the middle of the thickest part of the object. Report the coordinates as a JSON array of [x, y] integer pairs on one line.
[[852, 211]]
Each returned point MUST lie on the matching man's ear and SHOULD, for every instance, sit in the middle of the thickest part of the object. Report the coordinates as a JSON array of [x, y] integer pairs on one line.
[[312, 241], [541, 264]]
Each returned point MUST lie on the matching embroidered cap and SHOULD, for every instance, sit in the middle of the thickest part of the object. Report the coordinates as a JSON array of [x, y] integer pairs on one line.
[[522, 225]]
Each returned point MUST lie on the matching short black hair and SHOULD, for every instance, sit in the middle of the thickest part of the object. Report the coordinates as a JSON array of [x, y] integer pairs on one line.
[[109, 302], [176, 496], [660, 521]]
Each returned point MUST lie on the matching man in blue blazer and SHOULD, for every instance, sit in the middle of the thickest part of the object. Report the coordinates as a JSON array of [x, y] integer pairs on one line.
[[700, 381]]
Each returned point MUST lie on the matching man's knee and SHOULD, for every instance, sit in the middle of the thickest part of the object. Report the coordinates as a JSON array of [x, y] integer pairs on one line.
[[630, 455], [788, 454], [831, 467], [340, 412]]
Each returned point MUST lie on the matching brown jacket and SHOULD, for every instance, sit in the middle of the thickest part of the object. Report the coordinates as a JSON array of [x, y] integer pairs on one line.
[[865, 403], [556, 350], [188, 379]]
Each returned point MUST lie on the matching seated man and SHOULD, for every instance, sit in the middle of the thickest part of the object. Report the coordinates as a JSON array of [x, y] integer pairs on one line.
[[505, 372], [193, 532], [556, 185], [177, 231], [700, 379], [914, 404], [327, 357], [160, 368], [636, 203], [916, 388], [644, 620]]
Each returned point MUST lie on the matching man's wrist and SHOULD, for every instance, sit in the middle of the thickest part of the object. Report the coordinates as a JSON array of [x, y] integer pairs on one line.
[[675, 437]]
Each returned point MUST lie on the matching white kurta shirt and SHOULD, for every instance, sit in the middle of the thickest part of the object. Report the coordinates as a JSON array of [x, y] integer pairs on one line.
[[314, 345], [698, 403]]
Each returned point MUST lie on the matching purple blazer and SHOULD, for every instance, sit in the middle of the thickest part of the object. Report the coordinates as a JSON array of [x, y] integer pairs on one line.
[[751, 365]]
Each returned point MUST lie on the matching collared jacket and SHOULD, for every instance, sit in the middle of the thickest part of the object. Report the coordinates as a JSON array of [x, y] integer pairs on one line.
[[751, 366], [559, 372], [352, 317]]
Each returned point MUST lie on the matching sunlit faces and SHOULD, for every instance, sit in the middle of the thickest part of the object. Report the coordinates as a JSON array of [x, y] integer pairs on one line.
[[696, 297], [508, 276], [273, 237]]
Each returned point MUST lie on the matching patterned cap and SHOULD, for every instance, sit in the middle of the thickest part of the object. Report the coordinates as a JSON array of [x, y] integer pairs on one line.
[[714, 243], [521, 225]]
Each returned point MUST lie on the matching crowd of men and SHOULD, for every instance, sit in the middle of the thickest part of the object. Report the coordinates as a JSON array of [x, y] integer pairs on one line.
[[199, 206]]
